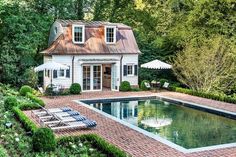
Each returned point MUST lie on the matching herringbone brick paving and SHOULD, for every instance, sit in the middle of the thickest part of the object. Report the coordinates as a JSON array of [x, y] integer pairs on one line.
[[131, 141]]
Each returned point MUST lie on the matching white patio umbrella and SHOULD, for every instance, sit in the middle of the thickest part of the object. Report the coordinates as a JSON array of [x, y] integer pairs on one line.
[[51, 65], [156, 64]]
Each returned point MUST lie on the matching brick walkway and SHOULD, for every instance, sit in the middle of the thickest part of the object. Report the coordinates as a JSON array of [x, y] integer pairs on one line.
[[128, 139]]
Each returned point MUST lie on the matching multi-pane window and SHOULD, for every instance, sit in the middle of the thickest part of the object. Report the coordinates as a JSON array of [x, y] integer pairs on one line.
[[130, 69], [86, 77], [96, 77], [110, 34], [78, 34], [61, 73]]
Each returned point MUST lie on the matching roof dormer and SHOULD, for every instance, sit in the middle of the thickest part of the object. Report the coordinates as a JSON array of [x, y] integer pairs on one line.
[[78, 34], [110, 34]]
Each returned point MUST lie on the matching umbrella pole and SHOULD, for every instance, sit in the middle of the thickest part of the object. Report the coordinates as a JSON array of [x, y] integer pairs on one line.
[[51, 83], [51, 78]]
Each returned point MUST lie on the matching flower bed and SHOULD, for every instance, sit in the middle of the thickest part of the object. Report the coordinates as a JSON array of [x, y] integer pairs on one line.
[[17, 141]]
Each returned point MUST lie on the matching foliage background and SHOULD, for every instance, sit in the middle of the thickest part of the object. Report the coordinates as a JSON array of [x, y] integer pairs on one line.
[[162, 28]]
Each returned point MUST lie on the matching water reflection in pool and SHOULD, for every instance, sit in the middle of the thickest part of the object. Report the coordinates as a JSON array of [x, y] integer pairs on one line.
[[184, 126]]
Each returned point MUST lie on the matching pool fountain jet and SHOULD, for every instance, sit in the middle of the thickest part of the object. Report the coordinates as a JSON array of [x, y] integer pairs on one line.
[[157, 122]]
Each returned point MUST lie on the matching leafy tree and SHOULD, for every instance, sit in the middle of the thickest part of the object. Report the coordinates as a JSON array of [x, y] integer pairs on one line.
[[30, 78], [211, 17], [23, 35], [80, 6], [207, 66]]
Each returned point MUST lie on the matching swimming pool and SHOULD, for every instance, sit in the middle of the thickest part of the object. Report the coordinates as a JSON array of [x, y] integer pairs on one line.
[[184, 126]]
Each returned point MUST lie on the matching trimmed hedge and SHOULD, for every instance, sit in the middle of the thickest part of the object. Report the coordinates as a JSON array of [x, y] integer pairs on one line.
[[28, 106], [212, 96], [26, 122], [35, 99], [75, 88], [25, 89], [10, 102], [96, 142], [44, 140], [125, 86], [3, 152]]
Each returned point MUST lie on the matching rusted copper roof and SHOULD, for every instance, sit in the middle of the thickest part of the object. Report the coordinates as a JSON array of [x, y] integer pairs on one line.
[[94, 40]]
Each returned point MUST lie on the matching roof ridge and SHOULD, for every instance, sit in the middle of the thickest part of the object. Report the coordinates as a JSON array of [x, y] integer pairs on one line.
[[65, 23]]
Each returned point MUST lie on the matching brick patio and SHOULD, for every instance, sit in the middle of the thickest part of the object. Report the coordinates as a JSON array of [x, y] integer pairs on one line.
[[131, 141]]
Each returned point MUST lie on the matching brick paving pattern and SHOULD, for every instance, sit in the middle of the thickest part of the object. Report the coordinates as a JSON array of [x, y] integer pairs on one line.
[[129, 140]]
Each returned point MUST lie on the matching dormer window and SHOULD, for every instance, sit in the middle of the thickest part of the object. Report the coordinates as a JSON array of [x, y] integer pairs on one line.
[[78, 34], [55, 30], [110, 34]]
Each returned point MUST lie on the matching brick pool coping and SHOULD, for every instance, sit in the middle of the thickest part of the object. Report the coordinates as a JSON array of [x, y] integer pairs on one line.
[[131, 141]]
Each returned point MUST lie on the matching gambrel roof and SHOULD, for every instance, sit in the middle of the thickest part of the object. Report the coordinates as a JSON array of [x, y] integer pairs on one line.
[[62, 43]]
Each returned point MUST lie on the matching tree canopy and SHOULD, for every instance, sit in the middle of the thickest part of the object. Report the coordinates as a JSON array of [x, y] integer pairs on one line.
[[163, 29]]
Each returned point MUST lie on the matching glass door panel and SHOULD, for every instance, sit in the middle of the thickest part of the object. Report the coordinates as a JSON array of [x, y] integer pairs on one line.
[[86, 77], [113, 77], [96, 77]]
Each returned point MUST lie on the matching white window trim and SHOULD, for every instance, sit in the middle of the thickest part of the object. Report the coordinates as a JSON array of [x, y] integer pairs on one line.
[[106, 34], [58, 72], [73, 34], [132, 69]]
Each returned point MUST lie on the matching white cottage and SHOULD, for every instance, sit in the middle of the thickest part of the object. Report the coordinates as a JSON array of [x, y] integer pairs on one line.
[[100, 55]]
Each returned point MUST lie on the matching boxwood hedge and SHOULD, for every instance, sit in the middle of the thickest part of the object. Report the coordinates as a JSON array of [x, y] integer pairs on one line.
[[26, 122], [97, 142], [212, 96]]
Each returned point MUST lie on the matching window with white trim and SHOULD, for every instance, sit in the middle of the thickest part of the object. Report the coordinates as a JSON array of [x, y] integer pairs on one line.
[[61, 73], [55, 30], [130, 70], [110, 34], [78, 34]]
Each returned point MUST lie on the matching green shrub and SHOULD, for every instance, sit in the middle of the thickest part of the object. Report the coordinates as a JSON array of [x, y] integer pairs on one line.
[[97, 142], [44, 140], [125, 86], [213, 96], [75, 88], [3, 152], [143, 86], [25, 89], [7, 90], [28, 106], [174, 85], [35, 99], [26, 122], [162, 81], [136, 89], [10, 102]]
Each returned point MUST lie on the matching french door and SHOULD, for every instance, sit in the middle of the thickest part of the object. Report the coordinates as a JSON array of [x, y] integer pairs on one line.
[[113, 77], [97, 77], [92, 77], [86, 77]]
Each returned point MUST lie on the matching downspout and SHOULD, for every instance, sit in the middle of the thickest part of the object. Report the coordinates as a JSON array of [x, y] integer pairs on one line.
[[121, 66], [73, 58]]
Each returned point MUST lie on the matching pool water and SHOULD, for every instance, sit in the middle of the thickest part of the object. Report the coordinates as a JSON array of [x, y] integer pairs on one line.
[[187, 127]]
